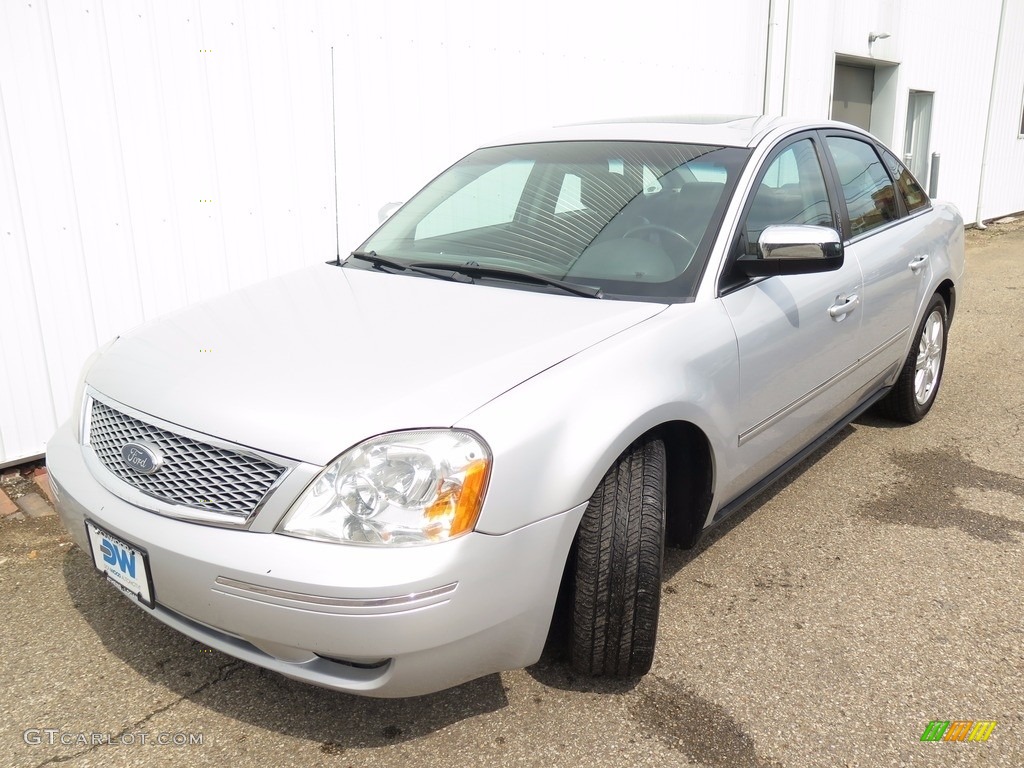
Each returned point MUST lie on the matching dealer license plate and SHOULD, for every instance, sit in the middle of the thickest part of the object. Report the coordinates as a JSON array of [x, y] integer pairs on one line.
[[125, 565]]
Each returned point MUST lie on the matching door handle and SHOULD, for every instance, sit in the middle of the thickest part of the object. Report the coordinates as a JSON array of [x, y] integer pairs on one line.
[[844, 305], [918, 262]]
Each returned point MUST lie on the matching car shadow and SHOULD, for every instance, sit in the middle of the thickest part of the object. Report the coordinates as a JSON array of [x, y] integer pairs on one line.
[[251, 694]]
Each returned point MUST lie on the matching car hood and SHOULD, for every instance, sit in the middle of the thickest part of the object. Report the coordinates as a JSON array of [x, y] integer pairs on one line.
[[308, 364]]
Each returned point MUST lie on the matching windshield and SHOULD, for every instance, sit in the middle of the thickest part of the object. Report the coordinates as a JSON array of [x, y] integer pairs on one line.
[[635, 219]]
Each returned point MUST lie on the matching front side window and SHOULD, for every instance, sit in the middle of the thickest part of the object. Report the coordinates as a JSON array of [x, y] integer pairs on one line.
[[792, 191], [867, 188], [635, 219]]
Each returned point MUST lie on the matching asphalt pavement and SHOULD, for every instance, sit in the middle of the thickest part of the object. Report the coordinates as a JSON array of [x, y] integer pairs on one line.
[[878, 588]]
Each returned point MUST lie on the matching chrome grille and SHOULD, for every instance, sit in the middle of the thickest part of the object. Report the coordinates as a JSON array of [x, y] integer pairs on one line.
[[193, 474]]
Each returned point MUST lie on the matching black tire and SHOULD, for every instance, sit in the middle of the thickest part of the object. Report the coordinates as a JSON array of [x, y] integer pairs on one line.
[[620, 547], [910, 398]]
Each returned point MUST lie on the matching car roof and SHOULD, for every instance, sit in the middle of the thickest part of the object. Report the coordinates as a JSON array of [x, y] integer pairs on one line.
[[718, 130]]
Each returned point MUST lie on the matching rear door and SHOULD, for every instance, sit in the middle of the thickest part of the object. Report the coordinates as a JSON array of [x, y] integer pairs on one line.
[[794, 356], [884, 221]]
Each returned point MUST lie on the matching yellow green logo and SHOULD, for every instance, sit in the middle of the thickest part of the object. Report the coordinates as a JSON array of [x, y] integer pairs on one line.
[[958, 730]]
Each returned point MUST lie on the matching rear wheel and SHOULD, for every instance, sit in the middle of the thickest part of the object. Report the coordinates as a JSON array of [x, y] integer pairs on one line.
[[915, 389], [616, 591]]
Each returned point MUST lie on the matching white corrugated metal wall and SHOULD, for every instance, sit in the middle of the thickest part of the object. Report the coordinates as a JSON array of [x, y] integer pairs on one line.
[[960, 82], [1004, 168], [153, 154]]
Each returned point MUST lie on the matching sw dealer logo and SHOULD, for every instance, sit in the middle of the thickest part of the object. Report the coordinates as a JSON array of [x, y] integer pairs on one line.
[[958, 730], [124, 566], [120, 558]]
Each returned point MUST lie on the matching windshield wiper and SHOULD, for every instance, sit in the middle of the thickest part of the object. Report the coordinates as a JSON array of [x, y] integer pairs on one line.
[[498, 273], [466, 273], [382, 262]]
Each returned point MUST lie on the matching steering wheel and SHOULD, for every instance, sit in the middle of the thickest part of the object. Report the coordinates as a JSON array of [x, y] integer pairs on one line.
[[661, 229]]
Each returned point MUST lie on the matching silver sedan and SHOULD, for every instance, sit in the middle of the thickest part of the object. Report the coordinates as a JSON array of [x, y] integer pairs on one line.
[[379, 473]]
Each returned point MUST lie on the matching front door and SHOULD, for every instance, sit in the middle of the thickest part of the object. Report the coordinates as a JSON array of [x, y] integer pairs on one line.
[[794, 354]]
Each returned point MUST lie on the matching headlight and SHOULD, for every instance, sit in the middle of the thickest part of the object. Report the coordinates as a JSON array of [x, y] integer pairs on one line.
[[397, 489]]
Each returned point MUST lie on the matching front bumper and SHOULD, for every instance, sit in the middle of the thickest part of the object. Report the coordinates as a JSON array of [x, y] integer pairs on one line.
[[371, 621]]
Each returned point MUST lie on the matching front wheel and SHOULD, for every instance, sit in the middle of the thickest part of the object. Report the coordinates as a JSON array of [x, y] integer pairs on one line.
[[616, 591], [915, 389]]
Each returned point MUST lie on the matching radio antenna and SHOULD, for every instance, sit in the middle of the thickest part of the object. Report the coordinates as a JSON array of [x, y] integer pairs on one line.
[[334, 140]]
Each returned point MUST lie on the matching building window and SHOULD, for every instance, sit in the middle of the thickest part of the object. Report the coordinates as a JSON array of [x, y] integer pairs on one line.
[[919, 126]]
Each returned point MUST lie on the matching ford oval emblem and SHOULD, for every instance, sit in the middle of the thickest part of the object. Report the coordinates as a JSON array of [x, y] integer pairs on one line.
[[142, 457]]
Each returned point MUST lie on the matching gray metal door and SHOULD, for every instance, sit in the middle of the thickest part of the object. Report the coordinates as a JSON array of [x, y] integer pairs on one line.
[[851, 95]]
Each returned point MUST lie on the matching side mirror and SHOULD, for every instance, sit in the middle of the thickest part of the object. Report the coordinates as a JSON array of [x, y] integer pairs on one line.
[[386, 210], [794, 250]]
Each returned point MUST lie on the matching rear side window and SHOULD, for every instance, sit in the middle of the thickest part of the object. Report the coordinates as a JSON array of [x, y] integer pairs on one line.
[[913, 195], [868, 190]]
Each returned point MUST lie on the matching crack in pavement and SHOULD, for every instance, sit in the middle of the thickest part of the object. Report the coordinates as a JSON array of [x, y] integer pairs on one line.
[[224, 672]]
